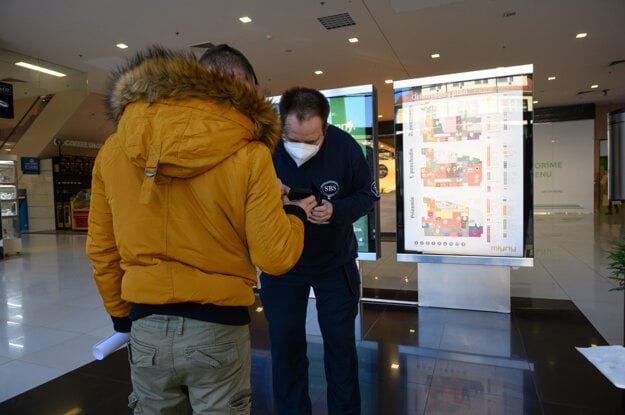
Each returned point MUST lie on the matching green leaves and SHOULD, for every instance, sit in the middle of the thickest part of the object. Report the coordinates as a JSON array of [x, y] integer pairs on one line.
[[616, 257]]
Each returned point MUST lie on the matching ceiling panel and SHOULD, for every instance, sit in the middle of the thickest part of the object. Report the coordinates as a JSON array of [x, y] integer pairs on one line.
[[286, 42]]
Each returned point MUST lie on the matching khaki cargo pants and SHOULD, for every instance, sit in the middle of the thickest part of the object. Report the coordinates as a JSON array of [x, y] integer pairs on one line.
[[181, 366]]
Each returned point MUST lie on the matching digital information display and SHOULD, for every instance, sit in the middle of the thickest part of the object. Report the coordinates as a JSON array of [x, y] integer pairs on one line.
[[464, 150], [6, 100], [354, 110]]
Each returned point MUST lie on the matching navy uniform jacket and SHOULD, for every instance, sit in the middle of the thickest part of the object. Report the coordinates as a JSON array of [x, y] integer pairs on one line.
[[340, 171]]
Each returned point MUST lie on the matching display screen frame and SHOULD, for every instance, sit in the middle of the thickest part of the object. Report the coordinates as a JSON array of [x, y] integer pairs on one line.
[[358, 116], [445, 116]]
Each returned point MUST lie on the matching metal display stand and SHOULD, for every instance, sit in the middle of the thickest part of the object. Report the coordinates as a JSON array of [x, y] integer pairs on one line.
[[465, 199], [469, 287]]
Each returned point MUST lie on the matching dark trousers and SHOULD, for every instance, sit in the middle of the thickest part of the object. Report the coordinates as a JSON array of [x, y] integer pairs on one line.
[[285, 301]]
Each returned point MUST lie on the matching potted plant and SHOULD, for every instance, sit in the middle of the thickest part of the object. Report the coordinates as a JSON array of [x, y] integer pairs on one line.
[[616, 256], [616, 264], [611, 359]]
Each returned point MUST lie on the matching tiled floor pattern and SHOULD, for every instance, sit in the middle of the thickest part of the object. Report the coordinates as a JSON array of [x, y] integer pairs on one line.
[[412, 360]]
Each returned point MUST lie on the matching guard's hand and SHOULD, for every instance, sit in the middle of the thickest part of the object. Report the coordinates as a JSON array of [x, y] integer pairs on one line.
[[307, 203], [321, 213]]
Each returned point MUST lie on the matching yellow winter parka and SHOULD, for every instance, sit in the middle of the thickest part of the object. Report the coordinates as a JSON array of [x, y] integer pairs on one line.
[[185, 202]]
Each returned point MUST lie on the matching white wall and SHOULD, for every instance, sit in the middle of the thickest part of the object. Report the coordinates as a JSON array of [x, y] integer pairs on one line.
[[563, 167]]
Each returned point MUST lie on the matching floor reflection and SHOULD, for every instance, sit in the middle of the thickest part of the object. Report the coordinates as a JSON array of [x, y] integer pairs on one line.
[[412, 361]]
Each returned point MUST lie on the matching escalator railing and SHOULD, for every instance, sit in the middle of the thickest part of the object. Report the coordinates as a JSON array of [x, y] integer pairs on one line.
[[16, 133]]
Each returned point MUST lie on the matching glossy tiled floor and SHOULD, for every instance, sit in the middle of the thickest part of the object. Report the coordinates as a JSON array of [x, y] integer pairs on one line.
[[412, 360]]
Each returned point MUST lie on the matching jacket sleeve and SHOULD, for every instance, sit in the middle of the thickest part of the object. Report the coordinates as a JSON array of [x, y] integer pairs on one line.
[[363, 192], [103, 253], [275, 237]]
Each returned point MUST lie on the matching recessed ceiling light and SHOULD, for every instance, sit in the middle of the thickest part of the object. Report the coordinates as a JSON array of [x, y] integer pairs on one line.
[[436, 55], [551, 78], [394, 366], [122, 46], [535, 102], [594, 86], [245, 19], [388, 81], [40, 69], [318, 72], [379, 115], [353, 40], [581, 35]]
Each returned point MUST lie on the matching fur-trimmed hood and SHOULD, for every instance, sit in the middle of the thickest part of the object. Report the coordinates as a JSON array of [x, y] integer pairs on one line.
[[172, 111]]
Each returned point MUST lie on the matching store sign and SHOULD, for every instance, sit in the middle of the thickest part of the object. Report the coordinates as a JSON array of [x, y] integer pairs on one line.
[[6, 100], [30, 165]]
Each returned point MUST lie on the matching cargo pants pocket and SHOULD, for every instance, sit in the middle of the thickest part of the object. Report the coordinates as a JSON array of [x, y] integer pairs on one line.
[[139, 356], [241, 403]]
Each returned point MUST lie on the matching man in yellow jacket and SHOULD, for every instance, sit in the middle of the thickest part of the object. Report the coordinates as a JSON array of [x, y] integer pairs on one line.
[[185, 204]]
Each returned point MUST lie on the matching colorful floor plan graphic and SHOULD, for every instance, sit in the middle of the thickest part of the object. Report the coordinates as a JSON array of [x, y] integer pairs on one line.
[[458, 170], [449, 219], [462, 176], [451, 128]]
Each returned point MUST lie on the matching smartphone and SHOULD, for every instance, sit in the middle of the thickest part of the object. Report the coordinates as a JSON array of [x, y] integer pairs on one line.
[[297, 193]]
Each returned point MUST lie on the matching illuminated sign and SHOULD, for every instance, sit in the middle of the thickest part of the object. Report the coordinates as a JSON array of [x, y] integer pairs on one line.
[[464, 147], [6, 100]]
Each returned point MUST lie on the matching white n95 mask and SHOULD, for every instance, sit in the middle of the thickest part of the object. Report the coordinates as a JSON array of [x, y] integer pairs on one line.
[[300, 152]]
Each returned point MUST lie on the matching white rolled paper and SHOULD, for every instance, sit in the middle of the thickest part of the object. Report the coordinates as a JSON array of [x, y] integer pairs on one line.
[[107, 346]]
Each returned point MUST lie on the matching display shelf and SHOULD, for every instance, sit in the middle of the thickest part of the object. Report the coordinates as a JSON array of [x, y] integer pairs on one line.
[[71, 175], [9, 211]]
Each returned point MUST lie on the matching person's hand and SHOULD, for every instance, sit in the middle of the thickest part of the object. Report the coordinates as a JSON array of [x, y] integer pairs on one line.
[[307, 203], [321, 213], [284, 192], [122, 324]]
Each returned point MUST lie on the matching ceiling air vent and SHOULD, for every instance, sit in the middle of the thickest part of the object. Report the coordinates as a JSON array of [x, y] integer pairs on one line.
[[11, 80], [336, 20], [616, 62]]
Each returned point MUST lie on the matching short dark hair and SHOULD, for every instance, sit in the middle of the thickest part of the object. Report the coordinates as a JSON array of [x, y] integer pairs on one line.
[[228, 59], [304, 103]]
